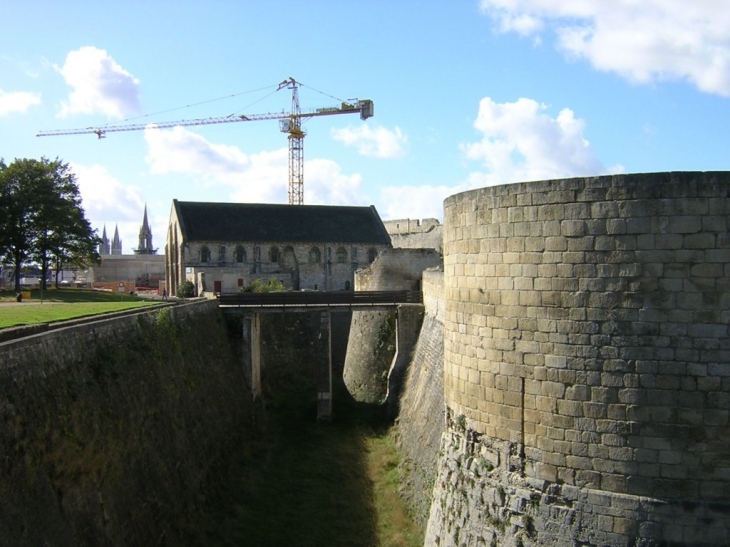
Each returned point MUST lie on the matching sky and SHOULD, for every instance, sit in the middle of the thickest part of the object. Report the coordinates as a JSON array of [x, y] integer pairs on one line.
[[467, 93]]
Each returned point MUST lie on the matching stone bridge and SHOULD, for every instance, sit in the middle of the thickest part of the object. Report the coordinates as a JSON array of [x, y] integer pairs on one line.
[[251, 305]]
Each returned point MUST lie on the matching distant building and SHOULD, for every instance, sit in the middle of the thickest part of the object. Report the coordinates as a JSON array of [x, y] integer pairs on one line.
[[222, 247], [142, 269], [409, 233], [110, 248]]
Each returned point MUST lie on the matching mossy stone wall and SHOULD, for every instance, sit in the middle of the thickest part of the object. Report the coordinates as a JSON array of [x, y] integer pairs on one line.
[[110, 431]]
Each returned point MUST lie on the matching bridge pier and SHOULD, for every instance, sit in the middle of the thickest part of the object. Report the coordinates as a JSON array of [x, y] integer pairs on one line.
[[324, 370], [251, 331], [252, 347]]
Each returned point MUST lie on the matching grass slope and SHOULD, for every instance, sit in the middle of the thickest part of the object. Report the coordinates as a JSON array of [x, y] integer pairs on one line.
[[63, 304]]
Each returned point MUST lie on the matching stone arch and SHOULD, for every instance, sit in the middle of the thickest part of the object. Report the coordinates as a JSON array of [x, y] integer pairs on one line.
[[240, 254]]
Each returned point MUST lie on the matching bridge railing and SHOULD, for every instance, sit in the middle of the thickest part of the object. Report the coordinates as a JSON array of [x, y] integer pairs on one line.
[[321, 298]]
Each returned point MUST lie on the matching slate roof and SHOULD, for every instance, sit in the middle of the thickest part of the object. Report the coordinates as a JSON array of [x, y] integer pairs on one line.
[[234, 222]]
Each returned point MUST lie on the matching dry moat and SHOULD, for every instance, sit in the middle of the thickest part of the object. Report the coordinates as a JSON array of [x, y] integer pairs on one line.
[[311, 484]]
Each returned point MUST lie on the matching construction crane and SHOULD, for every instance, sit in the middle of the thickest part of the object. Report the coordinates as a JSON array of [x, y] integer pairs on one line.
[[289, 122]]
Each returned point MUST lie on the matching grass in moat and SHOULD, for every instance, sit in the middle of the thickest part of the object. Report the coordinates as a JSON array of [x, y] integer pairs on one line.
[[62, 304], [313, 485]]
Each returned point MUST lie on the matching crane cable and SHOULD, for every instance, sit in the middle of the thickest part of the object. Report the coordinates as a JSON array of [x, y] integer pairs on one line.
[[198, 104], [322, 92], [275, 89]]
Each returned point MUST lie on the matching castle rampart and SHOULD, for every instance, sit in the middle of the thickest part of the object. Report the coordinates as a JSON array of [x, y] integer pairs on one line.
[[587, 363], [421, 417], [408, 233], [371, 346], [113, 430]]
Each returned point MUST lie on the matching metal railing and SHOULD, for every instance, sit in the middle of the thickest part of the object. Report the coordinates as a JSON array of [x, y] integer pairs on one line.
[[320, 298]]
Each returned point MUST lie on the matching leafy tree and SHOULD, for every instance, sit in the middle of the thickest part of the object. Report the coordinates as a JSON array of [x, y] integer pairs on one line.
[[17, 210], [74, 246], [44, 220]]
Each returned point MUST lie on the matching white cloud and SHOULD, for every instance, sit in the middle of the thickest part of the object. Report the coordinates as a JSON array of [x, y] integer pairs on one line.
[[520, 142], [179, 150], [254, 178], [324, 183], [374, 141], [416, 201], [17, 101], [107, 202], [642, 40], [99, 85], [265, 180]]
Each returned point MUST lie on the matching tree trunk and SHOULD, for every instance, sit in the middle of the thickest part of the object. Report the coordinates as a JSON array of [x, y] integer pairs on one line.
[[44, 271], [57, 269], [18, 264]]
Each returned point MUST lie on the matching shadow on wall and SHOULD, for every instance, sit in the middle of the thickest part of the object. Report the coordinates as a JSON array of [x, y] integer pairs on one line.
[[104, 444]]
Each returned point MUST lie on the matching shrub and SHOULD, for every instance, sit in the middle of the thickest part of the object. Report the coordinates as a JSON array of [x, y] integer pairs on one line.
[[186, 289], [257, 285]]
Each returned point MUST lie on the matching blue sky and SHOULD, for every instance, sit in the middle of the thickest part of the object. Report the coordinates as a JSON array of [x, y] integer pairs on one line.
[[467, 94]]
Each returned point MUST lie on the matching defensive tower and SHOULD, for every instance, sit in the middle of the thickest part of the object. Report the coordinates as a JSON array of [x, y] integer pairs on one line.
[[587, 363]]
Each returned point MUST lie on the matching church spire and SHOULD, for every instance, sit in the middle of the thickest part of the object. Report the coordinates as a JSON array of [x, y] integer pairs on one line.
[[104, 244], [145, 237], [116, 242]]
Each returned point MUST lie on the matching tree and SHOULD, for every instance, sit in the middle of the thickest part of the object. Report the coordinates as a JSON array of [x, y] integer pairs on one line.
[[74, 245], [16, 202], [44, 220]]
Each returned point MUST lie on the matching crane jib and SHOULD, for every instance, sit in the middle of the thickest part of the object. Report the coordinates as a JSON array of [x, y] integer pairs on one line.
[[296, 166]]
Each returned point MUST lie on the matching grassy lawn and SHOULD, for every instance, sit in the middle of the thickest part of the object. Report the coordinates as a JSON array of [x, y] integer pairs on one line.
[[313, 485], [63, 304]]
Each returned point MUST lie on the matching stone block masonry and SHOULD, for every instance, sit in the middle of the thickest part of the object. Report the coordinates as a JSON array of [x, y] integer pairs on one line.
[[587, 363], [421, 417], [371, 346]]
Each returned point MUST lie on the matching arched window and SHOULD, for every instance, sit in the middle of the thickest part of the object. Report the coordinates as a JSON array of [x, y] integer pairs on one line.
[[341, 255], [372, 253], [204, 254], [240, 254], [274, 254], [314, 255], [347, 285]]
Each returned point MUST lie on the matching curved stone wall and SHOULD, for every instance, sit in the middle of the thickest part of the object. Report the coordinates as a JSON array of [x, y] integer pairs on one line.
[[371, 357], [587, 355]]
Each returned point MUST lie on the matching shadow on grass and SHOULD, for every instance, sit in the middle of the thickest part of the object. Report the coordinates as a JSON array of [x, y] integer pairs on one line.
[[308, 487]]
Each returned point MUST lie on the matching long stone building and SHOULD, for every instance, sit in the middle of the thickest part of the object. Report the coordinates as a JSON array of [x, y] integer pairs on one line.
[[222, 247]]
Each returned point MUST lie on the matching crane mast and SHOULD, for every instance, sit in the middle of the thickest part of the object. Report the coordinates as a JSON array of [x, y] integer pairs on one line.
[[289, 122], [293, 126]]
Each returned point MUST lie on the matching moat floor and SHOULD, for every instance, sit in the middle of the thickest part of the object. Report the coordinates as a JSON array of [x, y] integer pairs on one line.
[[311, 484]]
